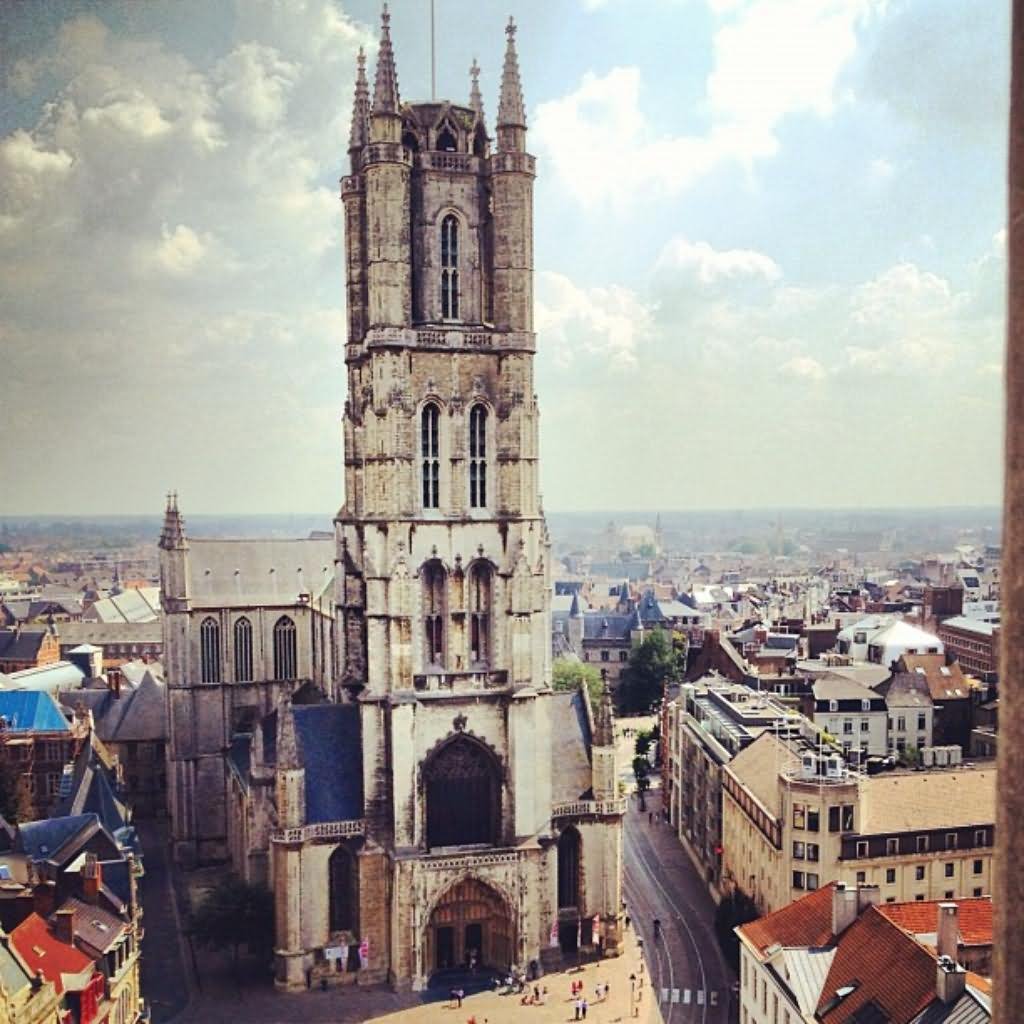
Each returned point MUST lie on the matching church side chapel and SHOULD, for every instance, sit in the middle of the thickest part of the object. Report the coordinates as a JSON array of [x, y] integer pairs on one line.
[[366, 725]]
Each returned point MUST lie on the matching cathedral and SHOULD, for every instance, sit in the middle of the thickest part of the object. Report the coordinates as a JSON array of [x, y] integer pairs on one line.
[[365, 723]]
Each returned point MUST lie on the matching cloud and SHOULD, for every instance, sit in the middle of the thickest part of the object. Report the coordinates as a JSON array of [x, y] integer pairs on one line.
[[710, 266], [772, 59], [804, 367]]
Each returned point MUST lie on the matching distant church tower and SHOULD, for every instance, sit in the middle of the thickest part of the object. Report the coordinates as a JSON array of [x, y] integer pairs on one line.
[[443, 585]]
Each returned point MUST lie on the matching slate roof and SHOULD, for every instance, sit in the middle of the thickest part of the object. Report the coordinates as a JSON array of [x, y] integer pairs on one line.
[[571, 777], [230, 573], [138, 715], [837, 687], [13, 975], [95, 927], [978, 626], [598, 625], [41, 840], [88, 790], [100, 633], [907, 690], [21, 645], [31, 711]]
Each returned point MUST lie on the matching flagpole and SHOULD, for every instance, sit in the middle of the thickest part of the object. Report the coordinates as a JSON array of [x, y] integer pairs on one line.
[[433, 57]]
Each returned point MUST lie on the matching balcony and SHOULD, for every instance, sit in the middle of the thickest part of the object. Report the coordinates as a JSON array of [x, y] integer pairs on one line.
[[588, 808], [460, 682], [321, 830]]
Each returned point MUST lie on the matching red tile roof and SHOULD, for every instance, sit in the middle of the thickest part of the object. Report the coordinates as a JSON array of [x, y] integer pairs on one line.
[[805, 922], [885, 965], [40, 950], [974, 917]]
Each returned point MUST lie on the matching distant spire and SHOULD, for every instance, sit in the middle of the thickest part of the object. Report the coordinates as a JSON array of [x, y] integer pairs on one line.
[[385, 85], [476, 101], [360, 132], [575, 612], [604, 720], [287, 744], [173, 533], [511, 111]]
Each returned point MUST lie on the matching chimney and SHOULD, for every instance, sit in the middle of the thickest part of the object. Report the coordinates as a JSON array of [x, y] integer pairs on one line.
[[947, 932], [114, 682], [844, 908], [950, 980], [64, 925], [43, 899], [868, 896], [92, 879]]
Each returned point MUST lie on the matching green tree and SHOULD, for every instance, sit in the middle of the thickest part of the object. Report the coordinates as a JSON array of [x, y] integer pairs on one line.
[[235, 914], [567, 674], [641, 772], [653, 663], [15, 798], [910, 757], [735, 909]]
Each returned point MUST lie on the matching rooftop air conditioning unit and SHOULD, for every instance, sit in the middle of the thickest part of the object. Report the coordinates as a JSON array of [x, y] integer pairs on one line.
[[809, 767], [928, 756], [834, 768], [956, 755], [941, 757]]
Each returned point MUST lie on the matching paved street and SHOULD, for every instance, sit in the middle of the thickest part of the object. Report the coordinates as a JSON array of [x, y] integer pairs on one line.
[[661, 882]]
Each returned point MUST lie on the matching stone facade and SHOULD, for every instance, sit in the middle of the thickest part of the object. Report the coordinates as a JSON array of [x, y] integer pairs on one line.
[[414, 793]]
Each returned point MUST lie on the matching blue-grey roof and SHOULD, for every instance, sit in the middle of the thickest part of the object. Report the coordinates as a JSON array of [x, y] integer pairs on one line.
[[330, 745], [91, 791], [40, 840], [606, 626], [31, 710], [571, 777]]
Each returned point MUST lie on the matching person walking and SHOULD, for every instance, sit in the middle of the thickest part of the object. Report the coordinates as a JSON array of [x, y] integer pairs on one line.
[[583, 1009], [576, 1007]]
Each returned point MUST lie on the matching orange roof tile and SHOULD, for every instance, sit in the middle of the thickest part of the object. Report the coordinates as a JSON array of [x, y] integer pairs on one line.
[[805, 922], [41, 950], [885, 965], [974, 917]]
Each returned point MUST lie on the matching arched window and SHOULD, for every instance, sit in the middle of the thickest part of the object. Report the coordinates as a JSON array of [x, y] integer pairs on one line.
[[569, 844], [243, 651], [463, 791], [343, 869], [430, 450], [434, 583], [410, 141], [480, 613], [285, 659], [446, 140], [478, 457], [209, 650], [450, 267]]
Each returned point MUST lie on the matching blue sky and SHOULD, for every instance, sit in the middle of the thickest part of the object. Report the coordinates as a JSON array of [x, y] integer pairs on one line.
[[769, 247]]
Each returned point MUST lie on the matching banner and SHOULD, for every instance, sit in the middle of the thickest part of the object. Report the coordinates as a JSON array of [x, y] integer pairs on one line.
[[364, 954], [553, 938]]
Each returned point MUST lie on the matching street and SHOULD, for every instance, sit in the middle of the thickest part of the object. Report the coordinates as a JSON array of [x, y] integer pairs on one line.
[[688, 973]]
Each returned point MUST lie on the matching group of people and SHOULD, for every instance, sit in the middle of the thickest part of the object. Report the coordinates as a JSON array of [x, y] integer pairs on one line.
[[579, 1000]]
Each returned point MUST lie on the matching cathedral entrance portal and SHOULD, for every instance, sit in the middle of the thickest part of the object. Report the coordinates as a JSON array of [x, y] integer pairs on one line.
[[470, 924]]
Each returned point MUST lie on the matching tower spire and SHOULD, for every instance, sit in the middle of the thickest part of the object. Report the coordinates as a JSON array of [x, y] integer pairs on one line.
[[173, 534], [385, 85], [359, 134], [511, 112], [476, 101]]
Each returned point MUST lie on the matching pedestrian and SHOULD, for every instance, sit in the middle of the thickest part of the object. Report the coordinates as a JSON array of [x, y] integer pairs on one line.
[[576, 1008], [536, 994], [627, 921], [459, 993], [607, 989], [583, 1009], [650, 817], [544, 996]]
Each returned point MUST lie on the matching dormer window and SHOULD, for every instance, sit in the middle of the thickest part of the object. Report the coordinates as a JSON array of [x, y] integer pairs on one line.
[[450, 268]]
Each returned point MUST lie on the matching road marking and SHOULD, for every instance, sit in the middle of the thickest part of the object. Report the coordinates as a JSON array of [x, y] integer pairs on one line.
[[700, 997], [714, 997], [663, 998], [686, 996]]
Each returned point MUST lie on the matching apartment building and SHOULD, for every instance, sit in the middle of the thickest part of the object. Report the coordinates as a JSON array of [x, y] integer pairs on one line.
[[793, 821]]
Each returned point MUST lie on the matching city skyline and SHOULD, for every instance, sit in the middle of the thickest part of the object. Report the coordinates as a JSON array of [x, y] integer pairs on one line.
[[763, 280]]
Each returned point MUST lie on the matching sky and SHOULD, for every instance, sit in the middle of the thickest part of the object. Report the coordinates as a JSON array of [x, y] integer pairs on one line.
[[770, 247]]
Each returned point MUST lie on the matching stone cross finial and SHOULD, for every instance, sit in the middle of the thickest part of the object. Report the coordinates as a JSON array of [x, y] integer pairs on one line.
[[476, 101], [511, 110], [385, 86]]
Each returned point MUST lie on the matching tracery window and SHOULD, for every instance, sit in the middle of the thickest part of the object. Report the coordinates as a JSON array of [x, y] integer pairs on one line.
[[478, 456], [569, 844], [430, 452], [243, 651], [285, 654], [450, 267], [209, 650], [344, 888], [480, 585], [463, 792], [434, 584]]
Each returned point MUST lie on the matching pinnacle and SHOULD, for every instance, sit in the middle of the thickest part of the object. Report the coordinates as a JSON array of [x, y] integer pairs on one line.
[[511, 110], [476, 101], [385, 86], [359, 134]]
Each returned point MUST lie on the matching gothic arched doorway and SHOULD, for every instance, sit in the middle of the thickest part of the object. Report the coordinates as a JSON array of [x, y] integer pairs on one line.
[[471, 922]]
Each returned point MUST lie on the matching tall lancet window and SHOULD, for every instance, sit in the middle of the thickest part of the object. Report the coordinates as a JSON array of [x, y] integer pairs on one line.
[[285, 660], [434, 582], [243, 651], [430, 450], [480, 614], [478, 457], [209, 650], [450, 268]]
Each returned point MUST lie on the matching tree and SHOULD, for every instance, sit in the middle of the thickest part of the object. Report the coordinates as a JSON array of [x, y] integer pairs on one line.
[[647, 550], [641, 772], [735, 909], [15, 798], [653, 663], [233, 914], [567, 674]]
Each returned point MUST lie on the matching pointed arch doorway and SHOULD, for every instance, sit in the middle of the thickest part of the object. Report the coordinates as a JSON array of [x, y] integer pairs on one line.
[[471, 920]]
